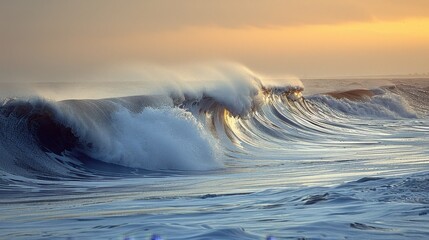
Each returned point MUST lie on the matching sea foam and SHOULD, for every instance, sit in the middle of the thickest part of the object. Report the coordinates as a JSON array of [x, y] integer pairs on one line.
[[155, 139]]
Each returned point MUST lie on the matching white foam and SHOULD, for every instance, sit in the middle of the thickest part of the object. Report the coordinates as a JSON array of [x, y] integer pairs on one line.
[[155, 139]]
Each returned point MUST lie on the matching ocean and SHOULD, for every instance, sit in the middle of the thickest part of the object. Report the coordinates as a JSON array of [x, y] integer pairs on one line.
[[228, 155]]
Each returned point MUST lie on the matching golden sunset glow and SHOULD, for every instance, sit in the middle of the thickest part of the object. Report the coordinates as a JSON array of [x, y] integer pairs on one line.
[[306, 39]]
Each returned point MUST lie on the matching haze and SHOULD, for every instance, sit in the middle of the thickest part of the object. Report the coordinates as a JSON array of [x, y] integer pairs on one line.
[[59, 40]]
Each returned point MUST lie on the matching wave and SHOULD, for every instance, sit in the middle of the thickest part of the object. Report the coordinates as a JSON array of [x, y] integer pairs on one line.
[[354, 95], [185, 129], [378, 103]]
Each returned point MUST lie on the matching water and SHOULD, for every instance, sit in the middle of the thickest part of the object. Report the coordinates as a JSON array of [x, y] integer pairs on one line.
[[236, 160]]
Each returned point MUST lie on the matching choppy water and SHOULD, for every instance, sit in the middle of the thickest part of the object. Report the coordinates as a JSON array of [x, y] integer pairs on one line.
[[238, 160]]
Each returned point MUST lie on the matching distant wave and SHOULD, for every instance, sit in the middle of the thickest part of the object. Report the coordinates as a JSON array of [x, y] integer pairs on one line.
[[357, 94], [384, 102], [188, 129]]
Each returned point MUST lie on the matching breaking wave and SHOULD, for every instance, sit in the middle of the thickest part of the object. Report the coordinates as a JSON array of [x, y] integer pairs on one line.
[[191, 127]]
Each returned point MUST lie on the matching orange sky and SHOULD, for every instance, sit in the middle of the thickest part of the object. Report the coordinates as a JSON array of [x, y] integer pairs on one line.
[[60, 39]]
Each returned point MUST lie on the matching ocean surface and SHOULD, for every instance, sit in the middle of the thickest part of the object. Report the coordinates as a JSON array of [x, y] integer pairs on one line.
[[224, 155]]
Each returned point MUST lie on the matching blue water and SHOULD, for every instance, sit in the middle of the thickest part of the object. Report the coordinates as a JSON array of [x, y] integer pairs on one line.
[[208, 167]]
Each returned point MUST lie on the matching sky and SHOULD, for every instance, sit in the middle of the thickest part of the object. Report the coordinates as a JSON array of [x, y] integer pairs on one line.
[[55, 40]]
